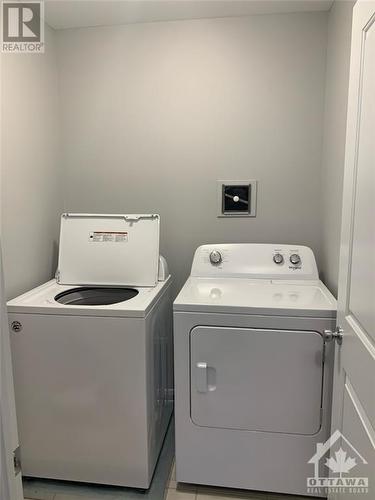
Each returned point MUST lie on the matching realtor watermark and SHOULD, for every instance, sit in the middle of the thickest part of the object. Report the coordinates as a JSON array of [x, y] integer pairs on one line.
[[340, 457], [22, 27]]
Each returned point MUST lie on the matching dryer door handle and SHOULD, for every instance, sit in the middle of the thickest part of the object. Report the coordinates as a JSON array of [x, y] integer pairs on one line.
[[201, 377]]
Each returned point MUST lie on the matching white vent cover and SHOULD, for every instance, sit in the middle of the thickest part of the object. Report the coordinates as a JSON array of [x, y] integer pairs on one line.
[[109, 250]]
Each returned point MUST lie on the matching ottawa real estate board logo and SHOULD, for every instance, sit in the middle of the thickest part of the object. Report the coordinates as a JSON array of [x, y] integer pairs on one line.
[[347, 468], [22, 27]]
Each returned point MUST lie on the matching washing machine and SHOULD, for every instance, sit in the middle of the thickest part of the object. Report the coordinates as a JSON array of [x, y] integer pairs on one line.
[[93, 357], [253, 367]]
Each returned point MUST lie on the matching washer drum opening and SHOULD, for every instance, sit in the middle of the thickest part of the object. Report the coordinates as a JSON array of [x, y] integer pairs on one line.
[[95, 296]]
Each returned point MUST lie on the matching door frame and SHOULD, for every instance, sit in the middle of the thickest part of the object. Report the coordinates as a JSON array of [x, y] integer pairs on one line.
[[361, 11], [363, 18], [10, 483]]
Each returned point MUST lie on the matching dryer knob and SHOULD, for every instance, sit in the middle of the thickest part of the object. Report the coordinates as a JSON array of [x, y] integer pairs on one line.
[[278, 258], [295, 259], [215, 257]]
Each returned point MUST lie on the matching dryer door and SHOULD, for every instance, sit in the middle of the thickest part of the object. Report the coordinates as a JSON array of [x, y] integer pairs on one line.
[[261, 380]]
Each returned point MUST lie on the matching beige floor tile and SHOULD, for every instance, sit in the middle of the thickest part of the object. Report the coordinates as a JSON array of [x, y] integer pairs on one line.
[[39, 495], [63, 496], [172, 478], [181, 495], [86, 496], [211, 492], [231, 496], [172, 484], [173, 472], [276, 496], [186, 487]]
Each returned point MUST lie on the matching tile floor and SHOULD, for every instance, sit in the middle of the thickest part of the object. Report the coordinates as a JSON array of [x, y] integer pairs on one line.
[[177, 491], [164, 486], [38, 489]]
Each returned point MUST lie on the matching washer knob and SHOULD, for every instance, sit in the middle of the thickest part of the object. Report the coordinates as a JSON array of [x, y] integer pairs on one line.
[[278, 258], [215, 257], [295, 259]]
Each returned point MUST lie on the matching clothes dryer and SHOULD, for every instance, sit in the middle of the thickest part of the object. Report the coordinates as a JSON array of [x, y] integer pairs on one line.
[[253, 368]]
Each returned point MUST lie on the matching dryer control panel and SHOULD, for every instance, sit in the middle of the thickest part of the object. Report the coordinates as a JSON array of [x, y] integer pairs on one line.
[[253, 260]]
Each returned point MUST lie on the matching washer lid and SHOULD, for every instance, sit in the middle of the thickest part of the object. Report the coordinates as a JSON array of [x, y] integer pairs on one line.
[[99, 249]]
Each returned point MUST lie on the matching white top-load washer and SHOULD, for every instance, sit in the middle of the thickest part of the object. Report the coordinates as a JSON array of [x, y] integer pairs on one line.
[[253, 368], [92, 355]]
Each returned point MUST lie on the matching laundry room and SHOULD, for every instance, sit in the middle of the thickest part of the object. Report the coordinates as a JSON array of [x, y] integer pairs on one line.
[[187, 242]]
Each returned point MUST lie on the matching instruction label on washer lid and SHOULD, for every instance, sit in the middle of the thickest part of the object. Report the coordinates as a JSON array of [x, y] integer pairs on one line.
[[108, 237]]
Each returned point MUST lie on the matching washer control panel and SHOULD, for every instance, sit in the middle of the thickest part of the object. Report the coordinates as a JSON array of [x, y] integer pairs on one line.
[[252, 260]]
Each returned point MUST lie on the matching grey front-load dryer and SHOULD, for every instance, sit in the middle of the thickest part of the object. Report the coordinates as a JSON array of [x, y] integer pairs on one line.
[[253, 373]]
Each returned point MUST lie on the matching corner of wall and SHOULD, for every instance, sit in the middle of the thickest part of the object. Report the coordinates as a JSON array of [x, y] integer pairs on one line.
[[333, 152]]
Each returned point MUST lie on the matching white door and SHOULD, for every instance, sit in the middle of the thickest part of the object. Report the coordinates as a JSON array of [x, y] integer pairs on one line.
[[354, 392], [10, 478], [250, 379]]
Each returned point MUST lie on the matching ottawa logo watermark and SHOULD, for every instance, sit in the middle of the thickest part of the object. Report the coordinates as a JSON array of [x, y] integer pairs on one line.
[[341, 459], [22, 27]]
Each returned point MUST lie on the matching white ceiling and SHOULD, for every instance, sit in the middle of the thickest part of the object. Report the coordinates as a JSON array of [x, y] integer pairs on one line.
[[63, 14]]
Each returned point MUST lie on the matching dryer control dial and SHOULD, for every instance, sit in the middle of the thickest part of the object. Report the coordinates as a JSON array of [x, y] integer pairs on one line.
[[278, 258], [215, 257], [295, 259]]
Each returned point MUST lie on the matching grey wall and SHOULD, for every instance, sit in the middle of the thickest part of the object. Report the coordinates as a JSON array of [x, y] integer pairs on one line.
[[153, 114], [31, 191], [337, 81]]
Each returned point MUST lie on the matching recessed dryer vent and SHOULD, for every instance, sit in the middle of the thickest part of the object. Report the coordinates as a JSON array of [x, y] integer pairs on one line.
[[236, 198]]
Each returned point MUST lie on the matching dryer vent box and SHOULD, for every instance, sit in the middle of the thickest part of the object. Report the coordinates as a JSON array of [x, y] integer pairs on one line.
[[237, 198]]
